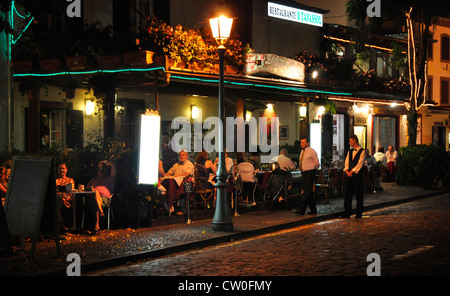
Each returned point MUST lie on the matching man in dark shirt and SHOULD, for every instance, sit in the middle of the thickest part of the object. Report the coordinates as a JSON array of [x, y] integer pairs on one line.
[[354, 164]]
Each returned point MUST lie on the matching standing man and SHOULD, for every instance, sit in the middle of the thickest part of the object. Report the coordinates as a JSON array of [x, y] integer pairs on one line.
[[353, 169], [308, 165]]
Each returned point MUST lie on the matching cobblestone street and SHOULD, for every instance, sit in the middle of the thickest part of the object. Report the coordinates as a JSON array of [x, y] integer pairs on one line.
[[411, 239]]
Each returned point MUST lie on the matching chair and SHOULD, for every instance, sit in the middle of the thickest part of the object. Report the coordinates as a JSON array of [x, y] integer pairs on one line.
[[201, 177], [335, 181], [248, 177], [108, 215], [322, 184]]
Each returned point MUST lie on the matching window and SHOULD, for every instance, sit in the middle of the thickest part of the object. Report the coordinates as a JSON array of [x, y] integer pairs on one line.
[[57, 122], [444, 91], [445, 48], [141, 9]]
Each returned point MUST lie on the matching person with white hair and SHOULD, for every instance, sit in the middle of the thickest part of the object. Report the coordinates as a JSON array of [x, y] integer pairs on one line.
[[283, 161]]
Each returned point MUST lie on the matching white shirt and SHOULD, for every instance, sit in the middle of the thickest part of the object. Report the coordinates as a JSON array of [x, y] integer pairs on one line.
[[284, 162], [391, 156], [180, 169], [379, 156], [360, 164], [310, 160], [247, 172]]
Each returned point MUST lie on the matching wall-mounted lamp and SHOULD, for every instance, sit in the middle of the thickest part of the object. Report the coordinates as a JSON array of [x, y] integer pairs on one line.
[[194, 112], [89, 107], [315, 74], [248, 115], [302, 111], [320, 111], [119, 109]]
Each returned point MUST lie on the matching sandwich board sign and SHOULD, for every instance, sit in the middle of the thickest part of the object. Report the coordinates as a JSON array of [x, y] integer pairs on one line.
[[30, 203]]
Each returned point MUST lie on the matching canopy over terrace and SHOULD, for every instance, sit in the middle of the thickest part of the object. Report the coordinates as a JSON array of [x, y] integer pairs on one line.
[[254, 91], [263, 90]]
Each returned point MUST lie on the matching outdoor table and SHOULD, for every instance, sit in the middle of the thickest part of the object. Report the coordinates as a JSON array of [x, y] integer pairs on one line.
[[82, 194]]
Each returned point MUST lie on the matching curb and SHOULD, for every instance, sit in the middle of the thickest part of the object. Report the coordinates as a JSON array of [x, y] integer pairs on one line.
[[230, 237]]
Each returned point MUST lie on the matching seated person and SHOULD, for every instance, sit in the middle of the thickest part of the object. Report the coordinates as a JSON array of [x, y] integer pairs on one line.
[[64, 198], [284, 162], [183, 168], [391, 157], [205, 169], [248, 177], [3, 183], [61, 184], [229, 163], [380, 156], [103, 185]]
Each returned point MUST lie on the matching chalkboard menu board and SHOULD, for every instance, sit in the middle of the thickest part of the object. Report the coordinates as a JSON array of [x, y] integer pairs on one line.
[[30, 204]]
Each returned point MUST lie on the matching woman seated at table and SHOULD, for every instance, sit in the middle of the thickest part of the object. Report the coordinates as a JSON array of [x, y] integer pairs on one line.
[[61, 184], [103, 185], [64, 198], [205, 169], [3, 183]]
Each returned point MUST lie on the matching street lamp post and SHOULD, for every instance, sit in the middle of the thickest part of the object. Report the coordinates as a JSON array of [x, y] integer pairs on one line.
[[220, 28]]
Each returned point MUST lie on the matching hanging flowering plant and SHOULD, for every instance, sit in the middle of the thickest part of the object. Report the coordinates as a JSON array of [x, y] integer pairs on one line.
[[311, 60], [187, 45]]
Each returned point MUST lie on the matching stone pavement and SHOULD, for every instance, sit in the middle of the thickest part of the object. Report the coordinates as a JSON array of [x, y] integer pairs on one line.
[[120, 246], [410, 239]]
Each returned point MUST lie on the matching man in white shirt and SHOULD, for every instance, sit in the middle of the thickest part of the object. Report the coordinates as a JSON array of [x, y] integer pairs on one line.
[[283, 161], [308, 164], [354, 164], [183, 168], [380, 156]]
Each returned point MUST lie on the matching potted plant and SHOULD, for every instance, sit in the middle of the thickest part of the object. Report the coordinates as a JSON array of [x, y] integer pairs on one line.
[[50, 64], [109, 60], [76, 62], [22, 66], [138, 58]]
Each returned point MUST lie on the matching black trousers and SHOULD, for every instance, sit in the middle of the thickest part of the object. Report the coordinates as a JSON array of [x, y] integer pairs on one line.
[[308, 194], [354, 185]]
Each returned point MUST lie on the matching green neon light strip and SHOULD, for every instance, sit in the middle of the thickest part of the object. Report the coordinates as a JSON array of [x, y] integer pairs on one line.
[[86, 72], [180, 77], [265, 86], [14, 9]]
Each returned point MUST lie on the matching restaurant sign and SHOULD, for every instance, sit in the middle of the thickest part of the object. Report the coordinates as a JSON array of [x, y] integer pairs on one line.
[[295, 14], [272, 64]]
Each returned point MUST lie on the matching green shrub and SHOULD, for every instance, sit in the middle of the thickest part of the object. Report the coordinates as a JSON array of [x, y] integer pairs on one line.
[[423, 165]]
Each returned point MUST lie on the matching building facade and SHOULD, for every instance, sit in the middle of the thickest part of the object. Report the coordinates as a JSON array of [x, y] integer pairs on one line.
[[55, 116]]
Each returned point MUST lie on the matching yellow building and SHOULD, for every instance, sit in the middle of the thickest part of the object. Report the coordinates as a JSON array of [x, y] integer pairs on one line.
[[435, 120]]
